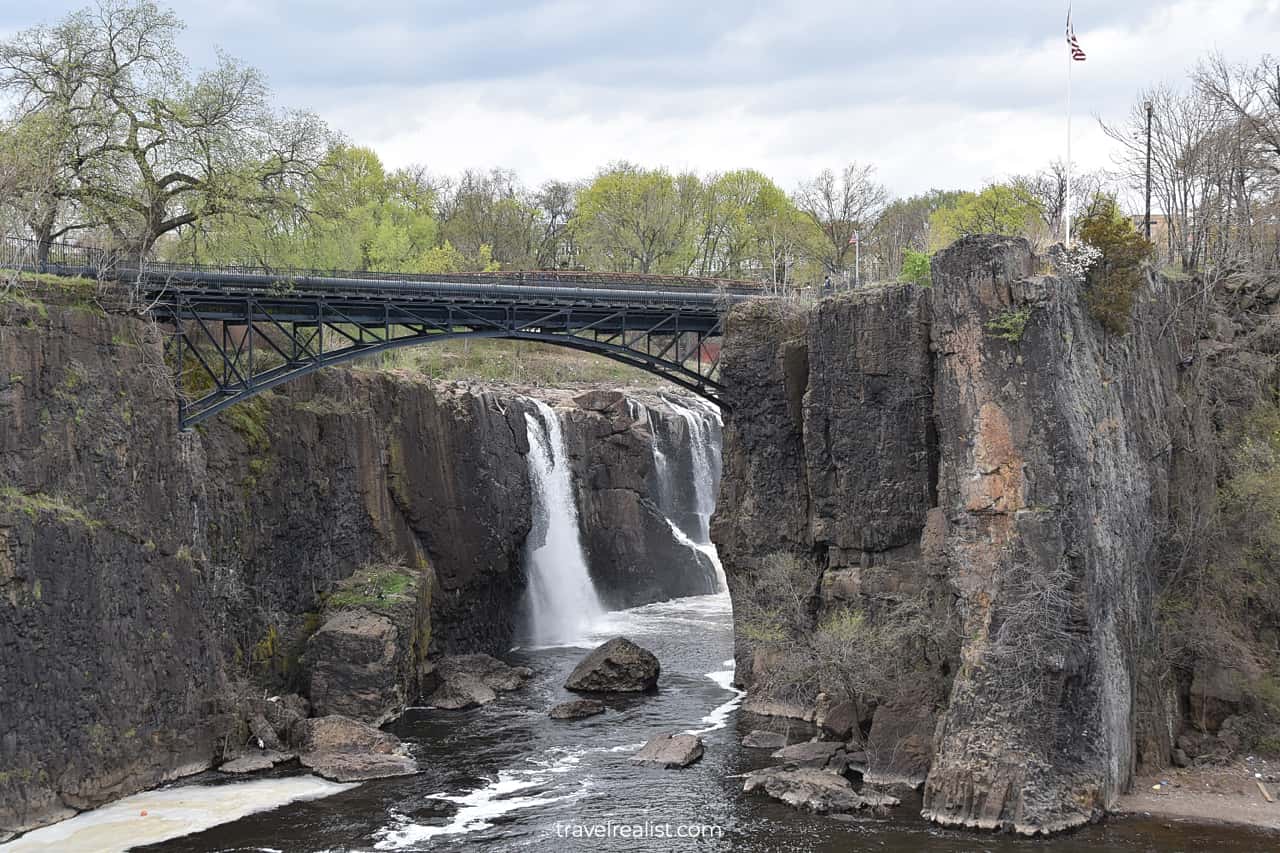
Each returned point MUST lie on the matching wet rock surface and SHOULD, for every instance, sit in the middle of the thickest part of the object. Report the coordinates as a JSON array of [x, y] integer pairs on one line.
[[815, 790], [818, 754], [576, 709], [625, 501], [762, 739], [256, 762], [669, 751], [617, 666]]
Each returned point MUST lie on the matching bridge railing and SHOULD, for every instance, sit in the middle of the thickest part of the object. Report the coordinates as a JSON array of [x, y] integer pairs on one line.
[[23, 253]]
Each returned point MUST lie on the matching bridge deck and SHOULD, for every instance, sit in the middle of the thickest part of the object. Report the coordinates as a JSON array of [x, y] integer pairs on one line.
[[240, 331]]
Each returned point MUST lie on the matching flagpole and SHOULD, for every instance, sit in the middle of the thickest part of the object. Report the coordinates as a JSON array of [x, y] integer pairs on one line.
[[1066, 237]]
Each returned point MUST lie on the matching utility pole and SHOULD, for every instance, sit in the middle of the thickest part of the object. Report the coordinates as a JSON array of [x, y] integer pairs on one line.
[[1147, 219], [857, 260]]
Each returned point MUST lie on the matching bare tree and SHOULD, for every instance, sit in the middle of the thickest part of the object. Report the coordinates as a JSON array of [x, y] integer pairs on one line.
[[556, 203], [841, 204], [1048, 188], [147, 149]]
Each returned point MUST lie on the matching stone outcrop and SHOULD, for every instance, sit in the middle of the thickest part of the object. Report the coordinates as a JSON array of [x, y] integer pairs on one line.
[[1012, 494], [669, 751], [255, 762], [466, 681], [347, 750], [764, 739], [368, 660], [828, 754], [616, 666]]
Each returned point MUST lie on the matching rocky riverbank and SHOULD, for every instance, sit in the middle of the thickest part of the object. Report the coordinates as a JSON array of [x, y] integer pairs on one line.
[[333, 538]]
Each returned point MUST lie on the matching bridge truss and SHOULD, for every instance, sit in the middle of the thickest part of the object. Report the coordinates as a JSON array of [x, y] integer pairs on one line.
[[228, 347]]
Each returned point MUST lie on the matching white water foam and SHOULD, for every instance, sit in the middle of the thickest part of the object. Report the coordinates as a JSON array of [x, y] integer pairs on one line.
[[156, 816], [719, 716], [562, 601], [705, 548], [477, 809]]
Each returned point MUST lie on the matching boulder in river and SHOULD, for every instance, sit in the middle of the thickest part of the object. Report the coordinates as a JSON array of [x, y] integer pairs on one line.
[[576, 709], [470, 680], [669, 751], [763, 739], [815, 790], [347, 750], [618, 666]]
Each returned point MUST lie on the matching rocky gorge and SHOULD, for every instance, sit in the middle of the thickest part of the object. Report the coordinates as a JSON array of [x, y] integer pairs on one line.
[[986, 553], [339, 543]]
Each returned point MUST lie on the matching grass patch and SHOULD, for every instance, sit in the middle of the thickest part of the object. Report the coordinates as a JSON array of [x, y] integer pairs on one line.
[[375, 587], [249, 419], [518, 362], [37, 503]]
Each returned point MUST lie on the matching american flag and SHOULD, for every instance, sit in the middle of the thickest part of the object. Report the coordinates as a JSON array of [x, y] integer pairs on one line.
[[853, 238], [1076, 53]]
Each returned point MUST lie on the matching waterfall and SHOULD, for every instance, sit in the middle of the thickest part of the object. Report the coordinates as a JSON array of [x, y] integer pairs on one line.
[[562, 602], [702, 429], [705, 477]]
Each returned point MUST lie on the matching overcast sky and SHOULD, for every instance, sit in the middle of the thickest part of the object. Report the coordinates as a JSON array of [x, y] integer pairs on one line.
[[935, 94]]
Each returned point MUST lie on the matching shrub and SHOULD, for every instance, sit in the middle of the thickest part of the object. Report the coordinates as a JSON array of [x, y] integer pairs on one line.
[[1116, 276], [1009, 326], [916, 268]]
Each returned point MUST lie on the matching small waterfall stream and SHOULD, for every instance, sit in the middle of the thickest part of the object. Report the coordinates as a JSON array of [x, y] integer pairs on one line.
[[701, 446], [702, 424], [562, 604]]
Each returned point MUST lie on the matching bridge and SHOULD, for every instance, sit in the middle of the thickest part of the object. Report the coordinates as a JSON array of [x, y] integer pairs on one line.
[[238, 331]]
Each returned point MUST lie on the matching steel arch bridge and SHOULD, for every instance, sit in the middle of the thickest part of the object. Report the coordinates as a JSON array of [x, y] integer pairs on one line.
[[238, 332]]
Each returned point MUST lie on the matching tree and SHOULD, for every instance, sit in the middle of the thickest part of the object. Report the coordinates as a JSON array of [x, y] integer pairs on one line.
[[916, 268], [840, 204], [905, 226], [150, 150], [1048, 190], [32, 180], [635, 220], [1117, 275], [1198, 170], [998, 209], [491, 209], [554, 246]]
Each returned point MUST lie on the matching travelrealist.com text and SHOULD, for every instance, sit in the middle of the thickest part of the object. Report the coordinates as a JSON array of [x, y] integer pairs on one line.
[[610, 829]]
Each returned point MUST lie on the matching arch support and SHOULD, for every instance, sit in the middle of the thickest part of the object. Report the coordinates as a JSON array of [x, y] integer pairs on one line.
[[226, 349]]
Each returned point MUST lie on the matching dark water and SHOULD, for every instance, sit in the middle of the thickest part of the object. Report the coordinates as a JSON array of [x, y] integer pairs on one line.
[[507, 778]]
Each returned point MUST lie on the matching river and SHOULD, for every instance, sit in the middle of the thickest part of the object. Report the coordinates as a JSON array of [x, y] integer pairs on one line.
[[507, 778]]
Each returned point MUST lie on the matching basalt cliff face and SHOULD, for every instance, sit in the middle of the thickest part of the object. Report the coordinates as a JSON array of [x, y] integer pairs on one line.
[[984, 493], [332, 538]]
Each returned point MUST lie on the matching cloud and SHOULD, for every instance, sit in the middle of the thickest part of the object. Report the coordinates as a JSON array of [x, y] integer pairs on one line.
[[936, 94]]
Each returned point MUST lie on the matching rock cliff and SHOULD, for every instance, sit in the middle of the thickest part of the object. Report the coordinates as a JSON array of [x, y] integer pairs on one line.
[[333, 537], [979, 495]]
